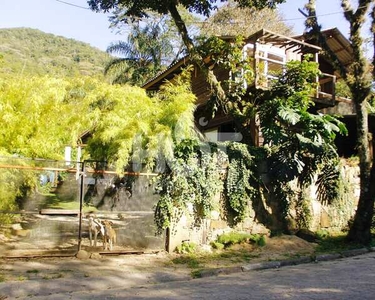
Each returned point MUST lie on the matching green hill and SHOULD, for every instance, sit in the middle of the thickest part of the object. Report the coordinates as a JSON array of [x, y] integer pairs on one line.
[[32, 52]]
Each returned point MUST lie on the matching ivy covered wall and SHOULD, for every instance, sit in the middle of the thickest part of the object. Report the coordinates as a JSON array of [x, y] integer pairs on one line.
[[229, 187]]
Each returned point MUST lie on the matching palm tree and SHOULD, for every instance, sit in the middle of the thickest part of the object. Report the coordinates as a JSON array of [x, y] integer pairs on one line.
[[143, 55]]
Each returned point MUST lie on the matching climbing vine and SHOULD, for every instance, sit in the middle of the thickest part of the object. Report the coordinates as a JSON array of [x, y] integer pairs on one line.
[[193, 178], [201, 172], [240, 182]]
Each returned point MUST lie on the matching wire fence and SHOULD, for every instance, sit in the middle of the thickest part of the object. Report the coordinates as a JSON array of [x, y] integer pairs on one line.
[[46, 207]]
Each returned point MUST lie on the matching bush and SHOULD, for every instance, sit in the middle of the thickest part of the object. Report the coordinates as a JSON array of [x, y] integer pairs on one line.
[[322, 234], [217, 245], [258, 239], [186, 247], [232, 238]]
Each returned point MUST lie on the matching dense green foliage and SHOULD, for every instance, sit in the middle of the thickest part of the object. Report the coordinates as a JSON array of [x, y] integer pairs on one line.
[[204, 177], [301, 144], [136, 129], [193, 178], [29, 51], [167, 32], [297, 146], [42, 115], [241, 181], [137, 9], [13, 186], [234, 237], [39, 117]]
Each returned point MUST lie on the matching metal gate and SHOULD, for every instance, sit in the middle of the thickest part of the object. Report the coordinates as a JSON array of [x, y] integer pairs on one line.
[[53, 218]]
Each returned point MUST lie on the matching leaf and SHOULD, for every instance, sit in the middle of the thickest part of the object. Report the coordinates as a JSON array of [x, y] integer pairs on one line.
[[289, 115]]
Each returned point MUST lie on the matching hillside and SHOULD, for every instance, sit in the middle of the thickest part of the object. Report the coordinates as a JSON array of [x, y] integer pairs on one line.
[[32, 52]]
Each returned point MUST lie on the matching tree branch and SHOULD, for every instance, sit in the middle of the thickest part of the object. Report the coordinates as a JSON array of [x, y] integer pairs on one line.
[[312, 23], [363, 6], [197, 59], [348, 10], [180, 24], [359, 66]]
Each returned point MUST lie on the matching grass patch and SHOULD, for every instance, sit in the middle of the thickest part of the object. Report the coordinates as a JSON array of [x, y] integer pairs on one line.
[[232, 238], [22, 278], [217, 245], [73, 205], [53, 201], [196, 274], [33, 271], [2, 278], [219, 258], [335, 243], [191, 260]]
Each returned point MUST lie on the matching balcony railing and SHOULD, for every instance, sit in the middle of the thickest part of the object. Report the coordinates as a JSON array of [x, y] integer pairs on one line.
[[266, 70], [326, 88]]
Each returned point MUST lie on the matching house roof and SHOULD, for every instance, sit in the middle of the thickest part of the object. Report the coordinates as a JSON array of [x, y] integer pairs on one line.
[[282, 41], [174, 69], [338, 43]]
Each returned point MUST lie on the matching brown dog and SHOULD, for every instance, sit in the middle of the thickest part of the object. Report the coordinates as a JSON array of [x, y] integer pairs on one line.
[[109, 237]]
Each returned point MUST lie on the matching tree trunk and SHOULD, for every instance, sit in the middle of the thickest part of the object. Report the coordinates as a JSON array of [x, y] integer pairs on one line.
[[360, 86], [180, 24], [360, 231], [197, 59]]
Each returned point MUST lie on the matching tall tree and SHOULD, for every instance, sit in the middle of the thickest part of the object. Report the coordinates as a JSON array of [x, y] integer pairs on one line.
[[232, 20], [169, 32], [138, 9], [143, 54], [357, 77]]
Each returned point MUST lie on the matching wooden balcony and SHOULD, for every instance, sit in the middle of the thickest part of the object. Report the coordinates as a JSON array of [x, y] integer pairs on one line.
[[267, 70]]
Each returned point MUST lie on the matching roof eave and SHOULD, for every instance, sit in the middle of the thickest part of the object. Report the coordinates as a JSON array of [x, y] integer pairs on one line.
[[182, 62]]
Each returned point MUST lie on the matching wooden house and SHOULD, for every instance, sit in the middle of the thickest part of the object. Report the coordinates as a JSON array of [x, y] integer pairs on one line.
[[269, 53]]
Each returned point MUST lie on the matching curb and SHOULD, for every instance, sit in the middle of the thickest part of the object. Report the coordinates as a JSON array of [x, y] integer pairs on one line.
[[218, 271], [282, 263], [355, 252]]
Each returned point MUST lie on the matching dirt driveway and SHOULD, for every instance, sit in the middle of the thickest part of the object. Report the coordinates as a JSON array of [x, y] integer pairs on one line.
[[47, 276]]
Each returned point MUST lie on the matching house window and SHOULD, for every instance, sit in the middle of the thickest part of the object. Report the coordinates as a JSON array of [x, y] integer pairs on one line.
[[270, 61]]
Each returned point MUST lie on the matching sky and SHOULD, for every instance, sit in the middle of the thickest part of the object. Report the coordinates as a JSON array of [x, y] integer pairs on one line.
[[329, 15], [54, 16]]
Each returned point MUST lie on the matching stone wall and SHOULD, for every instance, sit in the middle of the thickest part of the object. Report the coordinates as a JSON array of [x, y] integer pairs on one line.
[[333, 217]]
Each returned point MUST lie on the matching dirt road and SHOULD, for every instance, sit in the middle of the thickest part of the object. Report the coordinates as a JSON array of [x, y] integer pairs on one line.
[[349, 278]]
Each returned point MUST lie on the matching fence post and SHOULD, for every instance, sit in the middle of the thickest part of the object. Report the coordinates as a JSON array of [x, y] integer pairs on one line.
[[81, 191]]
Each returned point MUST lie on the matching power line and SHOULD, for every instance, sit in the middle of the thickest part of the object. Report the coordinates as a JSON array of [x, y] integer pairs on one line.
[[322, 15], [202, 22], [72, 4]]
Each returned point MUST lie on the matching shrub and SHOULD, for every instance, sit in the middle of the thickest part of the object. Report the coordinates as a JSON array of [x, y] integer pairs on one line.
[[233, 238], [186, 247], [258, 239], [217, 245]]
